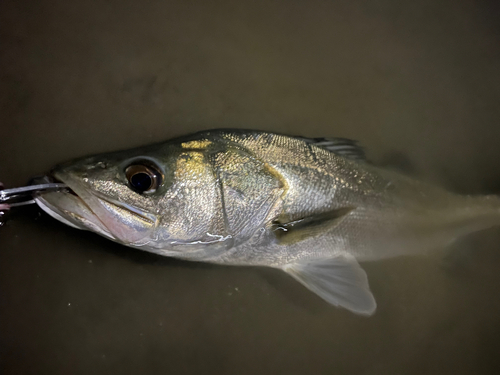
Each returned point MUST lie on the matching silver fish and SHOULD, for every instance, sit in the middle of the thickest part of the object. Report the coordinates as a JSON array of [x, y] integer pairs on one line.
[[311, 207]]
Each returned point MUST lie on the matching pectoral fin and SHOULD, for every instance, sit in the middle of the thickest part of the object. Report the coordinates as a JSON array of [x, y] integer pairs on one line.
[[300, 229], [340, 281]]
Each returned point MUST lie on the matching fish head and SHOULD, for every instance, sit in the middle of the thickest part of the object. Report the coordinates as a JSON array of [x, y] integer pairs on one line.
[[174, 198]]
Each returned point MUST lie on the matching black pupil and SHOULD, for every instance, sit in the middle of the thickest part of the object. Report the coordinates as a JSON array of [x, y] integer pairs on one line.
[[141, 181]]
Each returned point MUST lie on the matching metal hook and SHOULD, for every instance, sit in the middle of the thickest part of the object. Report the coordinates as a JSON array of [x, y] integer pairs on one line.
[[16, 195]]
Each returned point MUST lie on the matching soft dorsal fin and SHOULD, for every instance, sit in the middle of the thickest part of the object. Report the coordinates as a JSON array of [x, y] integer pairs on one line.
[[340, 281], [344, 147]]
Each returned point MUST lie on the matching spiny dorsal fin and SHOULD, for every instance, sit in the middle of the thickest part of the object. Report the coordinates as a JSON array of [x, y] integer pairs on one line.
[[344, 147]]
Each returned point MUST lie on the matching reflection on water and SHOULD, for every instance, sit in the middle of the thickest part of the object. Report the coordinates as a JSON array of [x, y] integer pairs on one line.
[[416, 83]]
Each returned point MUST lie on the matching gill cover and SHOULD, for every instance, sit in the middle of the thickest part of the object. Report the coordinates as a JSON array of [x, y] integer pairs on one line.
[[250, 191], [219, 195]]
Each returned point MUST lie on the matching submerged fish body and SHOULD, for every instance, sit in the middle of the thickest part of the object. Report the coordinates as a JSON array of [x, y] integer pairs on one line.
[[312, 207]]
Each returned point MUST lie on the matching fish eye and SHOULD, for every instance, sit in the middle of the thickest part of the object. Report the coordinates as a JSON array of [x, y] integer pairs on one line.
[[143, 178]]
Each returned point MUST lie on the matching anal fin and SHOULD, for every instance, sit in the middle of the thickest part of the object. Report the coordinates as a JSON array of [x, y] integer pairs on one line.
[[340, 281]]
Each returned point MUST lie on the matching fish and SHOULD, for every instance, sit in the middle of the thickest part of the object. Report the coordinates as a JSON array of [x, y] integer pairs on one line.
[[314, 208]]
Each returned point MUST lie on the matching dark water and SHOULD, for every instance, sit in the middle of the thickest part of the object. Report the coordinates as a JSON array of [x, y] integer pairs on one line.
[[417, 82]]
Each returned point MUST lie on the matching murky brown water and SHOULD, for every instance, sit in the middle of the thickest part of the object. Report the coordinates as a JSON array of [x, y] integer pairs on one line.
[[416, 82]]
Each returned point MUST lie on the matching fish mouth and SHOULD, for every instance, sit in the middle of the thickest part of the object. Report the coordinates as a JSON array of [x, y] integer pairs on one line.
[[82, 208], [69, 208]]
